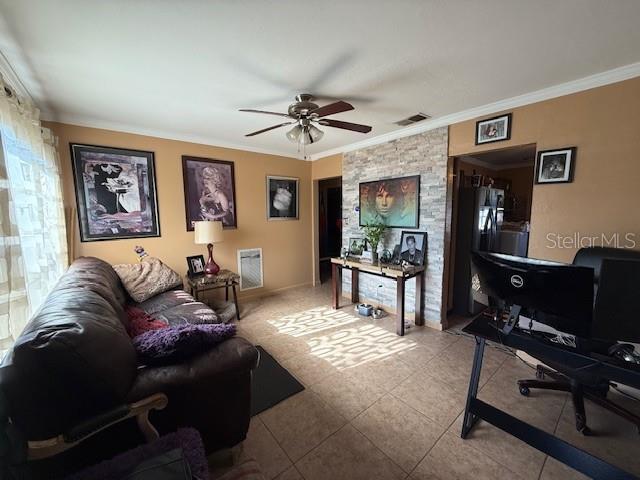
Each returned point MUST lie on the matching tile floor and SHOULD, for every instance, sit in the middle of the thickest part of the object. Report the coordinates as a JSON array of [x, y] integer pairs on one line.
[[379, 406]]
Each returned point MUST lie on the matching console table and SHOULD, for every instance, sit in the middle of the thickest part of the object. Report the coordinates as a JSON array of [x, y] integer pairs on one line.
[[397, 274], [223, 279]]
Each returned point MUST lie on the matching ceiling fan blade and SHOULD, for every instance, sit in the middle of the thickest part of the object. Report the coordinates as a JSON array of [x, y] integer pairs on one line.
[[356, 127], [332, 108], [267, 129], [250, 110]]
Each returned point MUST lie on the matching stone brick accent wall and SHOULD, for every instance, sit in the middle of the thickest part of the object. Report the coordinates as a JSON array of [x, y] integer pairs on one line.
[[424, 154]]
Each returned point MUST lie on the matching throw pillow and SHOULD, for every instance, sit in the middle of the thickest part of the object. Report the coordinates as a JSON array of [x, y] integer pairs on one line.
[[175, 344], [139, 321], [147, 278]]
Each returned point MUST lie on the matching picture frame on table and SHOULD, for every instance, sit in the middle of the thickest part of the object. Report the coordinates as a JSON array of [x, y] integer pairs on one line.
[[196, 265], [556, 166], [115, 191], [413, 247]]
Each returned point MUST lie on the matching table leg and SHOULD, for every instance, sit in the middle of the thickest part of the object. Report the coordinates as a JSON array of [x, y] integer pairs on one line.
[[355, 286], [336, 284], [419, 310], [470, 419], [400, 306], [235, 300]]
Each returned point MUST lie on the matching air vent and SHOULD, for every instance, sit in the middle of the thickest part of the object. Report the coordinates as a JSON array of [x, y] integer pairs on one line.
[[250, 268], [418, 117]]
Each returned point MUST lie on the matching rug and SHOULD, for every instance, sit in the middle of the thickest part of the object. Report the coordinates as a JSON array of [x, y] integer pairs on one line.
[[271, 383]]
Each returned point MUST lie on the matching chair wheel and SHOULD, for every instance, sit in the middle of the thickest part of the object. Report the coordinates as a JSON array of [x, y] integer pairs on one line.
[[524, 391]]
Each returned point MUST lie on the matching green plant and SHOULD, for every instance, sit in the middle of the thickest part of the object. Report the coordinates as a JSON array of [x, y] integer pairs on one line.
[[373, 232]]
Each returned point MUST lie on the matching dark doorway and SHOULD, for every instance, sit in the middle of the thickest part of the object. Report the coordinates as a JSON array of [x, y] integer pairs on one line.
[[329, 223]]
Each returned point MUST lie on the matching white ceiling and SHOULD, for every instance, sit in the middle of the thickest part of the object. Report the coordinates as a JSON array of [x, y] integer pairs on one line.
[[181, 69]]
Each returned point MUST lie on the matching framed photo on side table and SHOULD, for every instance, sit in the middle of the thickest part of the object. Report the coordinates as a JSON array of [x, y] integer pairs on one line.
[[493, 129], [413, 247], [115, 192], [196, 265], [556, 166], [282, 198]]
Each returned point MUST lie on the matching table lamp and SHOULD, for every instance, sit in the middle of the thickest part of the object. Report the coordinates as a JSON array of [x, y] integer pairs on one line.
[[207, 232]]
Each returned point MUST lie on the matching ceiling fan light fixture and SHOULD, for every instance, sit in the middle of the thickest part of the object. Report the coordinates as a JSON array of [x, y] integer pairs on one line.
[[314, 133], [294, 134]]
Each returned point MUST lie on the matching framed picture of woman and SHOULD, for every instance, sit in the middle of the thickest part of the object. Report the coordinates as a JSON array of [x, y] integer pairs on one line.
[[209, 191], [115, 192]]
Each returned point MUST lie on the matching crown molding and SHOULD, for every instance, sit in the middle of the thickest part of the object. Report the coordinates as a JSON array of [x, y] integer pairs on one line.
[[164, 135], [11, 78], [592, 81]]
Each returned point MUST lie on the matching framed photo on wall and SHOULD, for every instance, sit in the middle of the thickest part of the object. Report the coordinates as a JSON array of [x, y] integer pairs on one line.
[[494, 129], [282, 198], [209, 191], [394, 202], [115, 192], [556, 166], [413, 247]]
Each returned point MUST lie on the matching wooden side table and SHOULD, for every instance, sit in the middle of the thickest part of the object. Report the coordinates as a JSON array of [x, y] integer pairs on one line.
[[224, 279]]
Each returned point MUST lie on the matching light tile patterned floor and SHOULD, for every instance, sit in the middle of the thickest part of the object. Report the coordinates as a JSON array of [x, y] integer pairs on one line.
[[379, 406]]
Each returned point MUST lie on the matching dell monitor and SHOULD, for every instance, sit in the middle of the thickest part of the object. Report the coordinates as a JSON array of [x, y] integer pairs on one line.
[[556, 294]]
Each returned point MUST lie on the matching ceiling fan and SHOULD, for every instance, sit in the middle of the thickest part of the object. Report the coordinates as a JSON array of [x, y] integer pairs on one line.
[[304, 113]]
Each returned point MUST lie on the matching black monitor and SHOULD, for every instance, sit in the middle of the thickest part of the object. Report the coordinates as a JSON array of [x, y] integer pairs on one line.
[[556, 294]]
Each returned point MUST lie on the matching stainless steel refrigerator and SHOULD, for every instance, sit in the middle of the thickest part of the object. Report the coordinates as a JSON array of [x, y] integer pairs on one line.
[[480, 215]]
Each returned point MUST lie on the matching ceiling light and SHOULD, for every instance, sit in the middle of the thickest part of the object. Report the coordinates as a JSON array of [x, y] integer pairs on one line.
[[294, 134]]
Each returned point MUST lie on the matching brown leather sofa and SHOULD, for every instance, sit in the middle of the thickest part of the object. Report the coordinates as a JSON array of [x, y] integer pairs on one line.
[[74, 366]]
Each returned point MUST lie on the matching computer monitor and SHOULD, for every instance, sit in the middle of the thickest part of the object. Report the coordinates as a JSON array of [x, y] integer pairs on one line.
[[556, 294]]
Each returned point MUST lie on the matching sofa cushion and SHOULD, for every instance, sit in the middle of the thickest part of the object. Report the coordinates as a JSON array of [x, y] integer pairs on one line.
[[165, 301], [175, 344], [191, 312], [147, 278], [139, 321]]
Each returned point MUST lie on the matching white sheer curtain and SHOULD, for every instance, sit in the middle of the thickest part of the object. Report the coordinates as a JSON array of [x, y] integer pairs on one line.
[[33, 249]]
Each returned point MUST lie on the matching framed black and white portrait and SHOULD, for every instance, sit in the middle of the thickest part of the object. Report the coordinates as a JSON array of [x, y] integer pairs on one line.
[[413, 247], [493, 129], [115, 192], [209, 191], [556, 166], [282, 198], [196, 265]]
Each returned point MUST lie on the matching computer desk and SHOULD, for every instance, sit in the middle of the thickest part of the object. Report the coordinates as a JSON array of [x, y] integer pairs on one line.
[[483, 329]]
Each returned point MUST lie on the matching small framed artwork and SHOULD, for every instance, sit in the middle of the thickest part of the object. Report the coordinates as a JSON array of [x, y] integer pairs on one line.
[[196, 265], [209, 191], [357, 246], [115, 192], [413, 247], [556, 166], [493, 129], [394, 202], [282, 198]]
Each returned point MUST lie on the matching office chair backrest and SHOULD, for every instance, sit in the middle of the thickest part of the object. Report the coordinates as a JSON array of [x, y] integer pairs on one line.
[[593, 256]]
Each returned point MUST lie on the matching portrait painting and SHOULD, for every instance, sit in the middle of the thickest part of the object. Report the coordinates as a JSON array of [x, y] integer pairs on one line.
[[493, 129], [209, 191], [413, 247], [556, 166], [115, 192], [394, 202], [282, 198]]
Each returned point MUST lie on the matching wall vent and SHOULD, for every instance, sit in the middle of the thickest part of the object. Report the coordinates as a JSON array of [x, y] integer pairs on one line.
[[418, 117], [250, 268]]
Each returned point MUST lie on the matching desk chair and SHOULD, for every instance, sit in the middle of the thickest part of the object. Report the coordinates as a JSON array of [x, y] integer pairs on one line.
[[615, 317]]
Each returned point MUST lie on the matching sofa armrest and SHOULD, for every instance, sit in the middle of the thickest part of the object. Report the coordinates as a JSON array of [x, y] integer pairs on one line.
[[39, 449], [228, 359]]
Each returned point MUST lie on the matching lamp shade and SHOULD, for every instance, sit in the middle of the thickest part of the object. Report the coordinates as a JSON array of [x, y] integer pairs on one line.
[[208, 232]]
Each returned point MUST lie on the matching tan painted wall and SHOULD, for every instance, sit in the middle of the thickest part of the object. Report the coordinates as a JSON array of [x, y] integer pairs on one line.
[[604, 124], [286, 244], [327, 167]]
